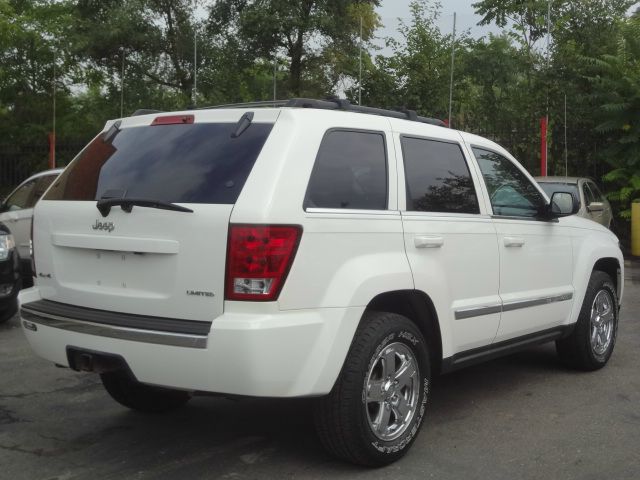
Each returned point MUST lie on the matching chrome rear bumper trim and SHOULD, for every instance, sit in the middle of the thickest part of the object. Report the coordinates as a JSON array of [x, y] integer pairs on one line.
[[101, 330]]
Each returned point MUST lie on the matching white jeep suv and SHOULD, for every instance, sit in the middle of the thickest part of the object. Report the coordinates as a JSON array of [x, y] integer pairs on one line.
[[309, 248]]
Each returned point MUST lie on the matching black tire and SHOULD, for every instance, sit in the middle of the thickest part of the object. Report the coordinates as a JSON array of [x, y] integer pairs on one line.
[[577, 350], [143, 398], [344, 417], [9, 311]]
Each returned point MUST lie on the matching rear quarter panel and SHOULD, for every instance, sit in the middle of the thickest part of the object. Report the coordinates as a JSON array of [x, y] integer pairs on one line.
[[345, 257]]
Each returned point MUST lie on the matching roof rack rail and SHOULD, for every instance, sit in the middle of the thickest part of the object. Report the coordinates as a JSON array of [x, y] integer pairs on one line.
[[344, 104], [265, 104], [334, 104]]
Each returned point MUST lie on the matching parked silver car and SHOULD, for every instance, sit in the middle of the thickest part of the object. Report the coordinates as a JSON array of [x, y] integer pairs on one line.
[[16, 212], [593, 204]]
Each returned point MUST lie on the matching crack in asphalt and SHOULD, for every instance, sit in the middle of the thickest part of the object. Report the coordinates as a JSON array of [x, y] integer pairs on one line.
[[47, 392], [8, 416], [38, 452], [71, 445]]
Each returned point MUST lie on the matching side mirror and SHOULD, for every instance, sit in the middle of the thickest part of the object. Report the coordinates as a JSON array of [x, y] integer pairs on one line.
[[595, 207], [3, 207], [563, 204]]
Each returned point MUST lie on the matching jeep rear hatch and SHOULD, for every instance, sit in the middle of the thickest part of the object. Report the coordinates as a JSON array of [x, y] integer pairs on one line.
[[138, 222]]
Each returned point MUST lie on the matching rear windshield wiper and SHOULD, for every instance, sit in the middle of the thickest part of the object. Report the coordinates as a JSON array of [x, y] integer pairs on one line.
[[105, 204]]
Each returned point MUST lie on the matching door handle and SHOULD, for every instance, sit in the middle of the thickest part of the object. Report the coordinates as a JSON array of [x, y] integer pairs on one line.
[[426, 241], [513, 241]]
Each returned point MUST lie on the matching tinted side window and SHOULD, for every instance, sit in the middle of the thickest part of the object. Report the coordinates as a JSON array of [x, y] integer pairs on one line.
[[350, 172], [597, 194], [437, 177], [42, 183], [21, 197], [550, 188], [511, 192], [589, 196]]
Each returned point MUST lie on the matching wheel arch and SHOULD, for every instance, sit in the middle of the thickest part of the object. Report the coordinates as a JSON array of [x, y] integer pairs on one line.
[[610, 266], [418, 307]]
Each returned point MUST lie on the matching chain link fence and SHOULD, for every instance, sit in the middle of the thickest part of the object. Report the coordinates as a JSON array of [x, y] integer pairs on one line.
[[19, 162]]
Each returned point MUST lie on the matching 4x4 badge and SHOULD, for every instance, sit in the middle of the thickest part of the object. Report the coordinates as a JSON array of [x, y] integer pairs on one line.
[[107, 226]]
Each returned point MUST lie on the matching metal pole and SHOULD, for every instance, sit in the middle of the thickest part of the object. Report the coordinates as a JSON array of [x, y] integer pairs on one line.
[[53, 136], [360, 67], [275, 73], [543, 146], [122, 85], [566, 147], [546, 145], [195, 67], [453, 55]]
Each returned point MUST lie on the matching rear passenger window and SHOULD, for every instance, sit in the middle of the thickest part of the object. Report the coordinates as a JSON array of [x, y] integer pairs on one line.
[[437, 177], [350, 172]]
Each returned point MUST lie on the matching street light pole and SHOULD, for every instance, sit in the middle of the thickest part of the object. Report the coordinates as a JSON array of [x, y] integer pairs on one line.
[[275, 73], [52, 137], [453, 56], [195, 66], [122, 52], [360, 67]]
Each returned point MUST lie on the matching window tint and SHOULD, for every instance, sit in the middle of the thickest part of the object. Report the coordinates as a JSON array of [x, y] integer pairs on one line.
[[550, 188], [21, 197], [589, 197], [350, 172], [184, 163], [437, 177], [42, 183], [595, 191], [511, 192]]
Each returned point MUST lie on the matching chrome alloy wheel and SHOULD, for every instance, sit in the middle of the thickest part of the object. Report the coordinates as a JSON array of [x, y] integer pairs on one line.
[[392, 391], [602, 322]]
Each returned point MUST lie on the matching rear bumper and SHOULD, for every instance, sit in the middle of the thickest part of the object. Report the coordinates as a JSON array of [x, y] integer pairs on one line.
[[278, 354]]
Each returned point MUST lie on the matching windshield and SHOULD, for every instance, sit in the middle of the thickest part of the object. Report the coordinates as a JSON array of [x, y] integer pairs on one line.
[[181, 163], [550, 188]]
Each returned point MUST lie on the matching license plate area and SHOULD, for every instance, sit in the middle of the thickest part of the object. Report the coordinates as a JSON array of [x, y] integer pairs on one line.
[[125, 271]]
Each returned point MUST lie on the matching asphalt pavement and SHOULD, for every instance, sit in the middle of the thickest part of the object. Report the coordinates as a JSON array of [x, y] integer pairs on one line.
[[520, 417]]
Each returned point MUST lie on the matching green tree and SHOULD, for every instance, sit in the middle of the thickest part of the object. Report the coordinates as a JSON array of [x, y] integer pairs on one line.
[[527, 18], [616, 79], [416, 74], [154, 39], [318, 38]]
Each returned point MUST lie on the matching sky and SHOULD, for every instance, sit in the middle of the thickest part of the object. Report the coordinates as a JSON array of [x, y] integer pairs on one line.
[[466, 19]]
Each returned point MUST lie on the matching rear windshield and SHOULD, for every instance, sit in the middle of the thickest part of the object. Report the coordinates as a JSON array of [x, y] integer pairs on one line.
[[551, 188], [182, 163]]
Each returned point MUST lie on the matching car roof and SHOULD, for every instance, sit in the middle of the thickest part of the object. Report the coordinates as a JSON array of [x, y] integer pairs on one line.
[[560, 179], [53, 171]]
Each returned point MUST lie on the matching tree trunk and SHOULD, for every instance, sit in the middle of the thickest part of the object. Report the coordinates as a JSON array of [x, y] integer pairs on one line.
[[295, 70]]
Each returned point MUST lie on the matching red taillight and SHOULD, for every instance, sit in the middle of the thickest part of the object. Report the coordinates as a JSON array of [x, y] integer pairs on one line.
[[172, 119], [258, 260]]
